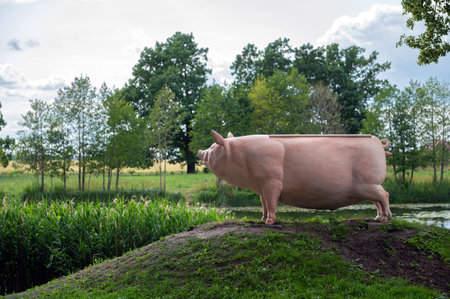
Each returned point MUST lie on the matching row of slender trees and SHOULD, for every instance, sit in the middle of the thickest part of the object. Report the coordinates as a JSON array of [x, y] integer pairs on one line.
[[167, 109], [417, 120]]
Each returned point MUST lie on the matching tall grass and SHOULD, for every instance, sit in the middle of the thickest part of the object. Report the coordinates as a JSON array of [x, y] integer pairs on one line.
[[45, 239]]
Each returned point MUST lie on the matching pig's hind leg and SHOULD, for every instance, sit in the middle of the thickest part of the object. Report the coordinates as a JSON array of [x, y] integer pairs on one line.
[[270, 196], [377, 195], [263, 203]]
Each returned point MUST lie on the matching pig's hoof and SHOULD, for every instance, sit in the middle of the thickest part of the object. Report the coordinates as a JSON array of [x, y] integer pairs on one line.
[[378, 218], [270, 221]]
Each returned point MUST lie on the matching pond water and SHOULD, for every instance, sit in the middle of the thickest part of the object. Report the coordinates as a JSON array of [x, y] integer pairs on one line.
[[437, 214]]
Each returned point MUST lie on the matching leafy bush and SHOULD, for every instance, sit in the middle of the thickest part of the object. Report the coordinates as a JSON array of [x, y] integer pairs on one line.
[[44, 239]]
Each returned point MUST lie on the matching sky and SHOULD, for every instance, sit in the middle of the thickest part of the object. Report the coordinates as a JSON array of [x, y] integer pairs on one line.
[[45, 44]]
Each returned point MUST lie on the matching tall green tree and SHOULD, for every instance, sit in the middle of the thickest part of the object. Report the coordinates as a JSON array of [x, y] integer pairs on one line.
[[32, 140], [252, 63], [181, 65], [7, 146], [223, 109], [164, 120], [280, 103], [432, 43], [434, 121], [60, 135], [81, 97], [324, 111], [127, 145], [3, 142], [348, 73]]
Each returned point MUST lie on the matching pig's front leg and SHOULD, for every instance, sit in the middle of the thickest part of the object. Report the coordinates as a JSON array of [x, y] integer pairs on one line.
[[270, 196]]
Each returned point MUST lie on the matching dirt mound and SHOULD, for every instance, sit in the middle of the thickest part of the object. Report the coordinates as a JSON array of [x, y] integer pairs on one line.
[[373, 246]]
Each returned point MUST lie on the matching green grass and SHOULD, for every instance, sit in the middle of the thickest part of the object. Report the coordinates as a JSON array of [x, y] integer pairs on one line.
[[232, 265], [16, 183]]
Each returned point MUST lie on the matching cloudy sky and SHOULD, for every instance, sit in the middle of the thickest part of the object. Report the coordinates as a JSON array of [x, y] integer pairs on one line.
[[45, 44]]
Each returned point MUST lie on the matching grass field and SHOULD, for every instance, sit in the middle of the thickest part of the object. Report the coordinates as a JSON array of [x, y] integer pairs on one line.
[[15, 182]]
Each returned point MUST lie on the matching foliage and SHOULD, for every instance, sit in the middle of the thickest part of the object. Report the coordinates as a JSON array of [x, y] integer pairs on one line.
[[432, 43], [221, 109], [325, 110], [125, 136], [181, 65], [7, 146], [348, 73], [32, 140], [42, 240], [280, 103], [164, 120], [416, 121]]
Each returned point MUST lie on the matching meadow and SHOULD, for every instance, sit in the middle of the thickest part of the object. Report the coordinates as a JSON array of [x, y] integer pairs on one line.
[[56, 233]]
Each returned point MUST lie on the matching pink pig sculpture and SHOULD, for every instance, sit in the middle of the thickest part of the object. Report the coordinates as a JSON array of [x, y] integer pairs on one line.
[[307, 171]]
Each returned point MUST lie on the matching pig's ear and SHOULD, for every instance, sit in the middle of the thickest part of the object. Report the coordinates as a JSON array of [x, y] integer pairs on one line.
[[230, 135], [217, 138]]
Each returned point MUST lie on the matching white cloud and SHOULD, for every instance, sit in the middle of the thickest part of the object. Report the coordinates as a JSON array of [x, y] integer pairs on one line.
[[11, 77], [16, 90], [379, 29], [366, 28]]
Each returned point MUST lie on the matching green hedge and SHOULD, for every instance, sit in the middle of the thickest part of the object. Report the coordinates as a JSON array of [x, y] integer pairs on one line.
[[41, 240]]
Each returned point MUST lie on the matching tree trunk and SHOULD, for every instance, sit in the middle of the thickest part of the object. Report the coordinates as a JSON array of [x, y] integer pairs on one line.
[[79, 171], [103, 173], [117, 177], [444, 149], [64, 174], [109, 177], [165, 160], [411, 177], [190, 157], [83, 175], [160, 159]]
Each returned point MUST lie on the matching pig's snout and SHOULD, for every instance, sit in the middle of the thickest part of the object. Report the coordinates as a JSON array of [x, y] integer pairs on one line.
[[200, 154]]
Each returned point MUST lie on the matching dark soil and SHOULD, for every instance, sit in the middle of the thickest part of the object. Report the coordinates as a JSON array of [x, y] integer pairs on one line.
[[363, 242]]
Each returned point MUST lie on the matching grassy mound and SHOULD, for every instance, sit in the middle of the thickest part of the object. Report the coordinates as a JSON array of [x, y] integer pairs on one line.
[[237, 259]]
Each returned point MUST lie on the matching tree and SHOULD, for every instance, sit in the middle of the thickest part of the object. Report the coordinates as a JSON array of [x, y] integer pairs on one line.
[[348, 73], [252, 62], [280, 103], [434, 118], [164, 120], [432, 43], [3, 157], [181, 65], [325, 110], [126, 145], [223, 109], [80, 96], [32, 140], [7, 145]]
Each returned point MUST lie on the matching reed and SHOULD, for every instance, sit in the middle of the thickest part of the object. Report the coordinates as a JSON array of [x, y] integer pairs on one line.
[[44, 239]]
